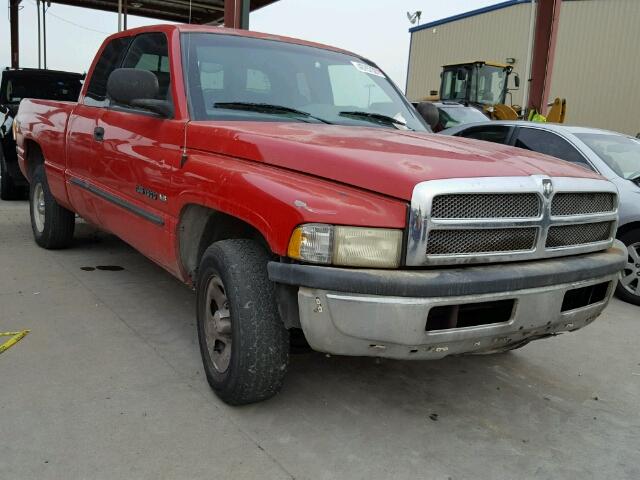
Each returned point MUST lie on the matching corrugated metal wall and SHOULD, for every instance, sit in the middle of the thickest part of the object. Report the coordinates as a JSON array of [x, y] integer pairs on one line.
[[495, 36], [597, 64], [597, 59]]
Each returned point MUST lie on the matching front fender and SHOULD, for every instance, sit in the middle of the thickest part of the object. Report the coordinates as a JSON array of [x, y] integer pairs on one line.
[[274, 201]]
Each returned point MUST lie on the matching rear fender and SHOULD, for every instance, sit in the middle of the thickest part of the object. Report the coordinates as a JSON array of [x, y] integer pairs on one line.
[[42, 138]]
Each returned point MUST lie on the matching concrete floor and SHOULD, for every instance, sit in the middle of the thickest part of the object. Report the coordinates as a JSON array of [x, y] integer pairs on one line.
[[109, 385]]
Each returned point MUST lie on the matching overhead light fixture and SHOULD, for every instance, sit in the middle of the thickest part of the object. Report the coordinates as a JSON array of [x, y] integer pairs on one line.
[[135, 4]]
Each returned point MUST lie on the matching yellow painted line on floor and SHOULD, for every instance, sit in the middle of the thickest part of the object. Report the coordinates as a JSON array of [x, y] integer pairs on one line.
[[15, 338]]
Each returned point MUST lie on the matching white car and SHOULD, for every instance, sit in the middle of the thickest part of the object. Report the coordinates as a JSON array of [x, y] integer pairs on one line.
[[614, 155]]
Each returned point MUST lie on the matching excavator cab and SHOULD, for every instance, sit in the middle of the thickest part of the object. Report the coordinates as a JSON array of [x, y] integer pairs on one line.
[[481, 83], [484, 85]]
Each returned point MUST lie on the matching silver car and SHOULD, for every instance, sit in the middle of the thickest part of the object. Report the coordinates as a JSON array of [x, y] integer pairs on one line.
[[614, 155]]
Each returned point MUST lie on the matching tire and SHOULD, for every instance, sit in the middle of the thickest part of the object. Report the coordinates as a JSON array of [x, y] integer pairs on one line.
[[8, 190], [243, 342], [52, 224], [628, 288]]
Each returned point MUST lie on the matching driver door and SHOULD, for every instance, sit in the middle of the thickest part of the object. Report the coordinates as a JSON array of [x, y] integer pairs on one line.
[[140, 150]]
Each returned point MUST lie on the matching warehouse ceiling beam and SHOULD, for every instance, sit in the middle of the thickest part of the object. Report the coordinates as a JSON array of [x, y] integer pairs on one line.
[[233, 13]]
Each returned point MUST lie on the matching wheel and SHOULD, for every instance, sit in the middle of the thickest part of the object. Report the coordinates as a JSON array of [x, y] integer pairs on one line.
[[8, 191], [243, 342], [628, 288], [52, 224]]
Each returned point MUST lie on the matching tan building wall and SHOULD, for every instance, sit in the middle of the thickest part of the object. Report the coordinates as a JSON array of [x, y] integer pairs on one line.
[[495, 36], [597, 59], [597, 64]]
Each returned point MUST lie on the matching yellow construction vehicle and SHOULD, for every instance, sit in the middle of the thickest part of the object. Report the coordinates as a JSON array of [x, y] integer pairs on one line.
[[485, 85]]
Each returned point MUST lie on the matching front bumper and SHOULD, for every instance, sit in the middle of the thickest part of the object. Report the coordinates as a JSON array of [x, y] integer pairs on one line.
[[384, 313]]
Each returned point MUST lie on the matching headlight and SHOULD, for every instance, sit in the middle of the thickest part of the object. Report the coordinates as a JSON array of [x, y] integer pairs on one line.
[[348, 246]]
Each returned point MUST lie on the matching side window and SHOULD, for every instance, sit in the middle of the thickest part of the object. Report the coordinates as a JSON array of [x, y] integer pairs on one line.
[[149, 51], [550, 144], [109, 60], [496, 134]]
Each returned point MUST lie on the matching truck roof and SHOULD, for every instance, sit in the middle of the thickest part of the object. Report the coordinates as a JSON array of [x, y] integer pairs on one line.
[[15, 72], [226, 31]]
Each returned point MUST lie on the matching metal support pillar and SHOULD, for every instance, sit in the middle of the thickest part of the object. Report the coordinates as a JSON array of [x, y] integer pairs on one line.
[[119, 15], [44, 34], [546, 33], [39, 35], [126, 11], [236, 14], [15, 44]]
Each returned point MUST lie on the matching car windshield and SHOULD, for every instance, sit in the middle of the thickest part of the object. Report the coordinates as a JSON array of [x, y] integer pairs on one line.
[[620, 152], [238, 78], [453, 116], [41, 86]]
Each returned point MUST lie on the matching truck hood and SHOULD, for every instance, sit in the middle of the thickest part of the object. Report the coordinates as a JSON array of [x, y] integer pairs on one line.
[[381, 160]]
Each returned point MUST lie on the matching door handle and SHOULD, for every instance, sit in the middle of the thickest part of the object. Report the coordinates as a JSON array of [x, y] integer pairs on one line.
[[98, 134]]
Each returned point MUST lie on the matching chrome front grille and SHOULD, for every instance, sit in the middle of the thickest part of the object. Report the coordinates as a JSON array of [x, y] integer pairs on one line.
[[481, 240], [486, 205], [581, 203], [483, 220], [582, 234]]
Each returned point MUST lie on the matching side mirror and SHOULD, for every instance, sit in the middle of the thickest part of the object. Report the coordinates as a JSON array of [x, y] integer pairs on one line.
[[137, 88], [516, 80]]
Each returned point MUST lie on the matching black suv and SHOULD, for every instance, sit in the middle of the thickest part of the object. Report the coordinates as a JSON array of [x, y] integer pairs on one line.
[[14, 86]]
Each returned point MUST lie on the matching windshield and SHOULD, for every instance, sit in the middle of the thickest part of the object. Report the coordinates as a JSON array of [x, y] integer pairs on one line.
[[621, 153], [486, 84], [41, 86], [238, 78], [453, 116], [454, 85], [487, 87]]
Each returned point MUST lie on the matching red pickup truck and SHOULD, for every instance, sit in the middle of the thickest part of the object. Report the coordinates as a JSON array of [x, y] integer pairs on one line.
[[295, 187]]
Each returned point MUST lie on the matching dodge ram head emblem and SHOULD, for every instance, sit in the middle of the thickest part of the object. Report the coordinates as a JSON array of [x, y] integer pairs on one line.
[[547, 187]]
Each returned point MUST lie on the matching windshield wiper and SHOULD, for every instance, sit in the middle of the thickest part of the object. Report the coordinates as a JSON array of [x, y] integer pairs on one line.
[[376, 117], [267, 108]]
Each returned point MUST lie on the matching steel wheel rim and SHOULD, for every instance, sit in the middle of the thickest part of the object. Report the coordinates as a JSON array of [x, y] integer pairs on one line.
[[217, 325], [630, 276], [38, 207]]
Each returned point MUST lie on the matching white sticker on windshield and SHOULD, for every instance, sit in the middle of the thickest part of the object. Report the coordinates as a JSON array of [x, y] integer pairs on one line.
[[363, 67]]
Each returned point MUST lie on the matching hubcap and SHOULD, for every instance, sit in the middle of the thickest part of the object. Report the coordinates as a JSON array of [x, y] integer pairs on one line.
[[217, 325], [38, 207], [630, 277]]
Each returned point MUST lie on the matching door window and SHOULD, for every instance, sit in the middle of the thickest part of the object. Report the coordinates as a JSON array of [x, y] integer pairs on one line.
[[149, 51], [109, 60], [549, 143], [495, 133]]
